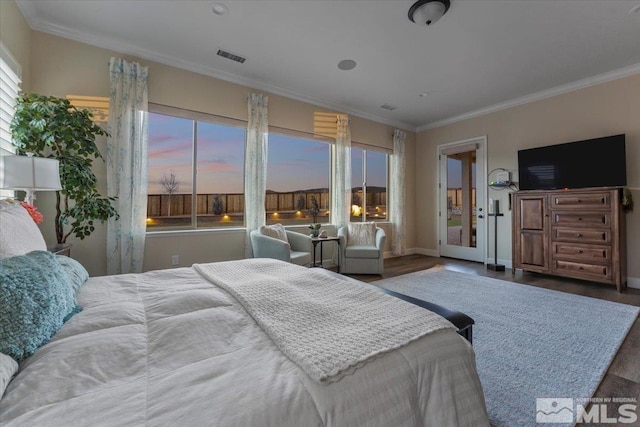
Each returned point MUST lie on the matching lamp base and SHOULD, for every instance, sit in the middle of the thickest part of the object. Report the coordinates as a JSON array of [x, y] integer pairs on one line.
[[495, 267], [29, 196]]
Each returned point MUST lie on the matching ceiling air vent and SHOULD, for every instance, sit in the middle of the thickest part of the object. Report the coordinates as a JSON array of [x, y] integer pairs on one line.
[[388, 107], [231, 56]]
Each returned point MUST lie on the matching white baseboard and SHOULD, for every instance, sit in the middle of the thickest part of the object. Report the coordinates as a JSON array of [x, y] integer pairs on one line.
[[414, 251], [423, 251], [632, 282]]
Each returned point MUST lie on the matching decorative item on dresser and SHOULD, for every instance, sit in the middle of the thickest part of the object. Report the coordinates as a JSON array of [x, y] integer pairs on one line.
[[573, 233]]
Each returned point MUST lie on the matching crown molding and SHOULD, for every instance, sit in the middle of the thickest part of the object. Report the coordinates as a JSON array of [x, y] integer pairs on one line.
[[537, 96], [30, 13], [126, 48]]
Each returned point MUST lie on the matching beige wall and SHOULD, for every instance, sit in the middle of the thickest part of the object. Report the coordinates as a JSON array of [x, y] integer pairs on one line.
[[16, 36], [62, 67], [606, 109]]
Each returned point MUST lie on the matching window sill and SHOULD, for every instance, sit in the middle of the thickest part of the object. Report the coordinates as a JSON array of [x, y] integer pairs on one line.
[[190, 232]]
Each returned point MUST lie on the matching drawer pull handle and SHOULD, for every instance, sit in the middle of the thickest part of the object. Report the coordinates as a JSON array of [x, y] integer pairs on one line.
[[579, 200], [579, 219], [579, 235], [580, 268], [579, 251]]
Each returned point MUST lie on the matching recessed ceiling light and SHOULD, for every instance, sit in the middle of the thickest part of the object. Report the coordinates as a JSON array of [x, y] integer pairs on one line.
[[347, 64], [219, 9], [635, 9], [423, 94]]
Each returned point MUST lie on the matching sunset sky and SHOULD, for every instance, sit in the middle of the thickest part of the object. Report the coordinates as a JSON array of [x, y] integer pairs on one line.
[[293, 163]]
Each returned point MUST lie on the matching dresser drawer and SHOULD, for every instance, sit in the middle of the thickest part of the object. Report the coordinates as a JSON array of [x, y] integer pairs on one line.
[[579, 235], [590, 253], [581, 219], [582, 270], [581, 201]]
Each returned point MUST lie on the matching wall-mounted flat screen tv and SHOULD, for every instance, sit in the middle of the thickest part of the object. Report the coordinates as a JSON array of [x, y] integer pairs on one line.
[[599, 162]]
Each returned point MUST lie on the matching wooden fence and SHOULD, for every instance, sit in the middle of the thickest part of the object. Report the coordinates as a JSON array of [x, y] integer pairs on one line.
[[164, 205], [454, 197]]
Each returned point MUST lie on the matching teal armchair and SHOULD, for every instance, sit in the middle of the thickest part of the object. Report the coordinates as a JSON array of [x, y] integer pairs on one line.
[[298, 249], [361, 259]]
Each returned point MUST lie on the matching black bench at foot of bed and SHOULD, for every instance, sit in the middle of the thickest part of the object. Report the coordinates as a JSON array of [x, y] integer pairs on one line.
[[460, 320]]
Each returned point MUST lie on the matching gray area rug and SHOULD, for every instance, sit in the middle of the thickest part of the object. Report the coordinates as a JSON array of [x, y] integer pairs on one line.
[[529, 342]]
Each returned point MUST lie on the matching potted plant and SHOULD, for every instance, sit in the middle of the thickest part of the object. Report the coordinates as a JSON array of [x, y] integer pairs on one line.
[[52, 127], [315, 229]]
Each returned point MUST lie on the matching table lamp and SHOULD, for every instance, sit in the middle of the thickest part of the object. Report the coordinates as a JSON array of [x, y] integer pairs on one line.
[[30, 174]]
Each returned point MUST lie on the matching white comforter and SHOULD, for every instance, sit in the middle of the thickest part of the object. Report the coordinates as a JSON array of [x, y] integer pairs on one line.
[[168, 348], [328, 325]]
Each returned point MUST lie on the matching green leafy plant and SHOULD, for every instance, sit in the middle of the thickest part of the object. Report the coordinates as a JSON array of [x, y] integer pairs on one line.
[[52, 127], [315, 229]]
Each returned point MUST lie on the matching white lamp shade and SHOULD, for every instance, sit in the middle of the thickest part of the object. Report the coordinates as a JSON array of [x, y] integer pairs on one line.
[[29, 173]]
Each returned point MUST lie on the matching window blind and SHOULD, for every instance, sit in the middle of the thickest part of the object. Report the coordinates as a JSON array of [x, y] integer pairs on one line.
[[9, 90]]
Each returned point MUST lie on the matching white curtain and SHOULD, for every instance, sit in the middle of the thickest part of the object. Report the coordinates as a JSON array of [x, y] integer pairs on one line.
[[341, 180], [127, 165], [397, 194], [255, 183]]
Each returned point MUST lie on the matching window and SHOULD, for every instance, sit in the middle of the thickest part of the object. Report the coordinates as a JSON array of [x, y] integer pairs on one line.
[[298, 172], [9, 90], [368, 184], [180, 196]]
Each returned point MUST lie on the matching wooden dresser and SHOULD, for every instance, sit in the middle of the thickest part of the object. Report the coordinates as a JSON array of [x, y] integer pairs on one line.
[[571, 233]]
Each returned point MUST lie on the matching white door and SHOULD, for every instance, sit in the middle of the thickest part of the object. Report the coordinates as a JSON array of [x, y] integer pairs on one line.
[[462, 192]]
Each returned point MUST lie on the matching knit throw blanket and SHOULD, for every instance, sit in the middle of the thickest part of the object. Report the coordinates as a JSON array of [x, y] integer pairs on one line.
[[325, 323]]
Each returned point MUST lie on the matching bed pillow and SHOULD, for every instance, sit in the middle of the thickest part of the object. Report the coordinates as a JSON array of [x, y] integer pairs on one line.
[[8, 368], [36, 298], [362, 234], [18, 233], [75, 271], [276, 231]]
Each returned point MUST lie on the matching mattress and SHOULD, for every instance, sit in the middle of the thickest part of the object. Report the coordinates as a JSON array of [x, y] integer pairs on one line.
[[169, 347]]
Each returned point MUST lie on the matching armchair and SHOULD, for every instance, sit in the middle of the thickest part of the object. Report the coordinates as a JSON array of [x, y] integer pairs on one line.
[[297, 250], [361, 259]]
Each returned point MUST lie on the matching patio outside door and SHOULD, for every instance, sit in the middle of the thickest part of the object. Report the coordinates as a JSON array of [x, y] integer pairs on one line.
[[462, 172]]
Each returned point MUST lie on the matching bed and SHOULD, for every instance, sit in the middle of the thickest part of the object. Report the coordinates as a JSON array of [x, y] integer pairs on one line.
[[188, 346]]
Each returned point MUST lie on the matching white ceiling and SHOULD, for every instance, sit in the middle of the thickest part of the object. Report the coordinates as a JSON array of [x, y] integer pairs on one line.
[[481, 56]]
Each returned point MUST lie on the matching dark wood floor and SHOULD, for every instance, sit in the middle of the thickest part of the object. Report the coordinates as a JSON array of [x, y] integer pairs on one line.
[[623, 376]]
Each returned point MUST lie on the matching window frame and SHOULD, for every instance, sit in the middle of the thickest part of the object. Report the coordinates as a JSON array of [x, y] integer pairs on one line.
[[195, 117], [10, 89], [387, 152], [312, 137]]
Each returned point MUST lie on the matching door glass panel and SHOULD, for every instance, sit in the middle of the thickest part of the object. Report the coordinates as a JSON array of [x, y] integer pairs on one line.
[[376, 186], [461, 199]]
